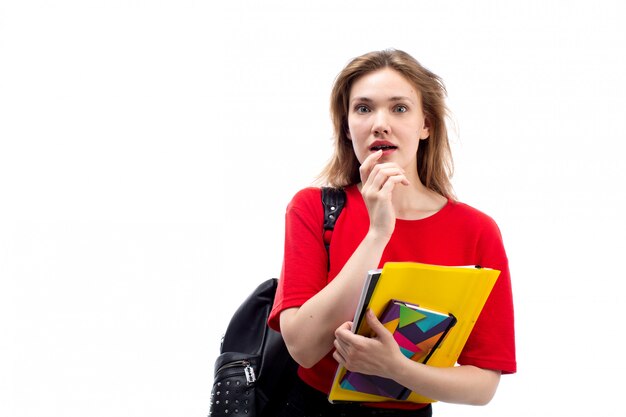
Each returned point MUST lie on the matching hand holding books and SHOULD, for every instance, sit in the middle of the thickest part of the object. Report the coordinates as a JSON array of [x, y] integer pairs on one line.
[[441, 292], [404, 330], [366, 354]]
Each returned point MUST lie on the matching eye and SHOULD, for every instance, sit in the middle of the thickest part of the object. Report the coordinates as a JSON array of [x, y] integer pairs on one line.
[[360, 108], [401, 108]]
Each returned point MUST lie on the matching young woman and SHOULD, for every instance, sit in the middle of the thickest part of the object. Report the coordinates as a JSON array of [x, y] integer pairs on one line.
[[392, 157]]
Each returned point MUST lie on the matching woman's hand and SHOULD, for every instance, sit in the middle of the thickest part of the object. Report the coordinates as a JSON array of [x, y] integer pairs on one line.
[[378, 182], [323, 313], [381, 356], [377, 355]]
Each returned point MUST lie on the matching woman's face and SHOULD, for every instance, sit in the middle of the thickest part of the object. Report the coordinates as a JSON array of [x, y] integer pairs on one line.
[[385, 112]]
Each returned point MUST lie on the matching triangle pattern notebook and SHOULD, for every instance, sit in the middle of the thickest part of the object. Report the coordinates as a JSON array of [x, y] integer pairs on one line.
[[417, 331], [452, 291]]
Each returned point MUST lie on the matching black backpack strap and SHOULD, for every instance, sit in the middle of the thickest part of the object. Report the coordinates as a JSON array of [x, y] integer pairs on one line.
[[333, 200]]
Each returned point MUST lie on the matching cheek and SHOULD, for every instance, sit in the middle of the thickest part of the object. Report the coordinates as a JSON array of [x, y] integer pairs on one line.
[[359, 151], [358, 143], [357, 130]]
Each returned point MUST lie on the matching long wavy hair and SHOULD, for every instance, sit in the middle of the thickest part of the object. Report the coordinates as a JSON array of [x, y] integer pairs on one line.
[[434, 157]]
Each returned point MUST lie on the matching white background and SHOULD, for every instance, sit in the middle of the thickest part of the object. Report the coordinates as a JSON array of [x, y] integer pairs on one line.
[[148, 150]]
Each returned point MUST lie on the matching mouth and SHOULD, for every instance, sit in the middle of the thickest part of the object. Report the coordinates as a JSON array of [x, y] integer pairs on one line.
[[382, 146]]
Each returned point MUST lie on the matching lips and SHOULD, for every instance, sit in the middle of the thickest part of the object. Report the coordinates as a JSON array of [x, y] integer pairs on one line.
[[382, 145]]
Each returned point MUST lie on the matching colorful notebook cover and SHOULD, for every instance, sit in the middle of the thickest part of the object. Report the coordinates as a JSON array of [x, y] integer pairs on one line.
[[418, 332], [459, 290]]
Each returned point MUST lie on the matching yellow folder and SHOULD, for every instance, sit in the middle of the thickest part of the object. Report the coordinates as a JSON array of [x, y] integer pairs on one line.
[[458, 290]]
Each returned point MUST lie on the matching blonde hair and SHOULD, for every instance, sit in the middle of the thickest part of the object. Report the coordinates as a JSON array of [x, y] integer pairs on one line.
[[434, 158]]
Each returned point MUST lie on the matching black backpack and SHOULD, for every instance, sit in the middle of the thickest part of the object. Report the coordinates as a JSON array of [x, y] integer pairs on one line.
[[254, 371]]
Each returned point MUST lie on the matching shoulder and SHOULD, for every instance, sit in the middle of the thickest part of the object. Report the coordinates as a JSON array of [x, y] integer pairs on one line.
[[469, 213], [485, 232], [467, 216], [305, 197], [306, 203], [312, 196]]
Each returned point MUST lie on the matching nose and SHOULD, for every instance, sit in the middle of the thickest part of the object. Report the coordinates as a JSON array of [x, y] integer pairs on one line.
[[381, 124]]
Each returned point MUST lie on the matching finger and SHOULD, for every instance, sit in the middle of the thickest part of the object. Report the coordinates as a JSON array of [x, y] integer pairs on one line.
[[339, 347], [344, 338], [341, 351], [384, 190], [376, 326], [339, 358], [347, 326], [366, 167], [384, 166], [380, 175], [391, 182]]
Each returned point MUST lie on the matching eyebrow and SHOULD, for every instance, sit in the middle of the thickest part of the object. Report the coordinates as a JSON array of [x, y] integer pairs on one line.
[[394, 98]]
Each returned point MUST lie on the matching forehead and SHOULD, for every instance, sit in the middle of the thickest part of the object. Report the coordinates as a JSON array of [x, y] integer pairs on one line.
[[382, 83]]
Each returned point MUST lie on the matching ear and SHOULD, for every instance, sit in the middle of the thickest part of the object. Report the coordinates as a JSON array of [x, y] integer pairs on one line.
[[424, 132], [346, 130]]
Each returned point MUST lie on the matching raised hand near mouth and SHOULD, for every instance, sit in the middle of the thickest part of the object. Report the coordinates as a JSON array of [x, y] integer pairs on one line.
[[378, 181]]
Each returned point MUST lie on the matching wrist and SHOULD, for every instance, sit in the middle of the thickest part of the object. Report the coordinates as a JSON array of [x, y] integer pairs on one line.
[[377, 237], [400, 368]]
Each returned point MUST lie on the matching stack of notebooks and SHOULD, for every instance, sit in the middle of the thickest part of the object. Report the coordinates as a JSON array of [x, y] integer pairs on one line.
[[429, 309]]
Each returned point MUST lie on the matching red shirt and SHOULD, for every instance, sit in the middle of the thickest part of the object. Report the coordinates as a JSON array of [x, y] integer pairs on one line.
[[456, 235]]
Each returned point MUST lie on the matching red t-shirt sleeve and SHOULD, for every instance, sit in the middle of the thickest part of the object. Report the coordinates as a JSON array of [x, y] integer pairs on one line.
[[491, 345], [305, 263]]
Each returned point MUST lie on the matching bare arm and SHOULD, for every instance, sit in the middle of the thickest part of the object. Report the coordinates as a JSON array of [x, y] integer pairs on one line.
[[381, 356], [309, 330]]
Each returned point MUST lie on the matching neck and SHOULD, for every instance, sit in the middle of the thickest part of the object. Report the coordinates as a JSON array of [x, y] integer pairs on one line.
[[415, 201]]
